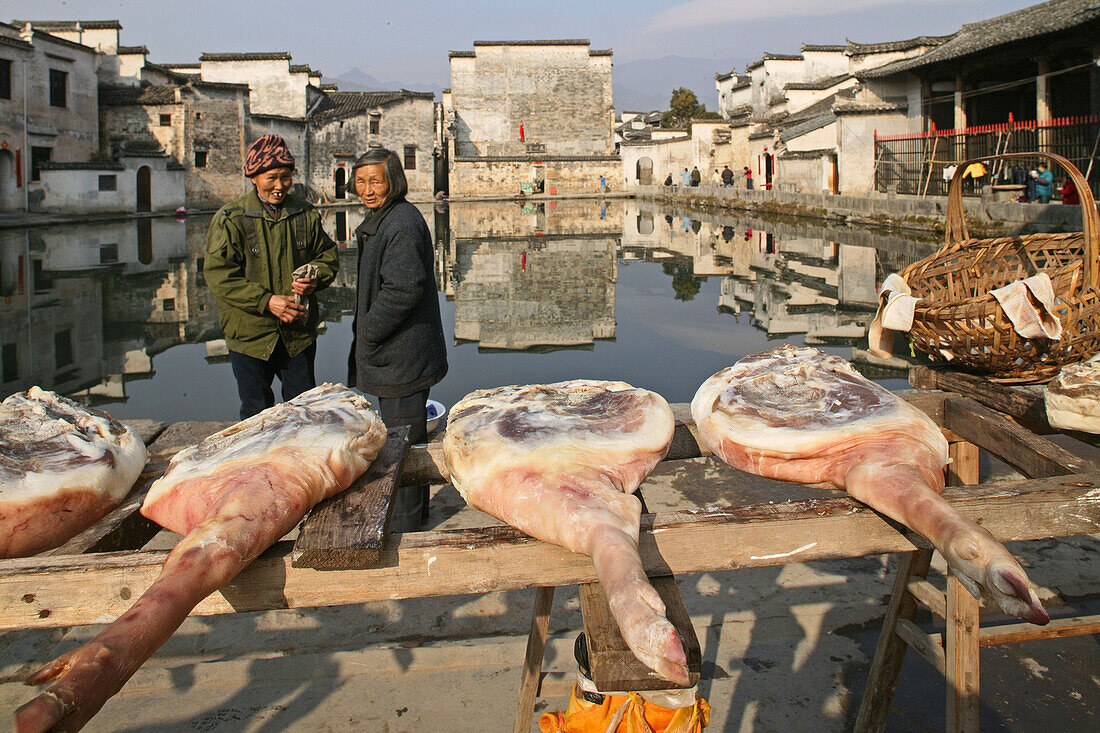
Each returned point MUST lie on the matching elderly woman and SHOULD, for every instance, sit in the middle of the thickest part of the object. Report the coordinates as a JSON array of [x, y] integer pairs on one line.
[[266, 254], [399, 350]]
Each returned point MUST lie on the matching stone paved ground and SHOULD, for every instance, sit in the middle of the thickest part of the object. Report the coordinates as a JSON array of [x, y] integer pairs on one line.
[[784, 648]]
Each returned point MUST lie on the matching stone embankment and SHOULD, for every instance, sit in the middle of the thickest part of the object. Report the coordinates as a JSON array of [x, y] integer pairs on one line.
[[984, 217]]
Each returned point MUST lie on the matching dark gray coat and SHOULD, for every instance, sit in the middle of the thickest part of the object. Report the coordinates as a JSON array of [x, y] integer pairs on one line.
[[399, 347]]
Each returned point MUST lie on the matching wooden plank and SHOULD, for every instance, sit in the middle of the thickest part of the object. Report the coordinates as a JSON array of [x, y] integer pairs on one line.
[[963, 468], [532, 659], [40, 592], [882, 680], [928, 646], [1021, 403], [1018, 403], [962, 664], [1015, 633], [929, 595], [346, 531], [1028, 453], [613, 667], [424, 463]]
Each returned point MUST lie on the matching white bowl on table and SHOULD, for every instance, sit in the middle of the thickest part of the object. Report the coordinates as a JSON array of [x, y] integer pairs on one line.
[[436, 411]]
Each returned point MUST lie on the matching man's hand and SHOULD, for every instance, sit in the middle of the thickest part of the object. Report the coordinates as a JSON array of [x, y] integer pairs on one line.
[[285, 309], [303, 286]]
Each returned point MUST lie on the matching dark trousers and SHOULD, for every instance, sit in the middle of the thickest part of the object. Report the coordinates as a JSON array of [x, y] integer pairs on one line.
[[410, 503], [254, 377]]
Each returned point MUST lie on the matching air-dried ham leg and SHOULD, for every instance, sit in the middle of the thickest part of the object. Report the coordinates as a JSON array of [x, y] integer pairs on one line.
[[233, 495], [62, 467], [798, 414], [561, 462]]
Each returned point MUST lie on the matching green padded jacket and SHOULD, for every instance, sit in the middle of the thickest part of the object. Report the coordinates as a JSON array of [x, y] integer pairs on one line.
[[250, 257]]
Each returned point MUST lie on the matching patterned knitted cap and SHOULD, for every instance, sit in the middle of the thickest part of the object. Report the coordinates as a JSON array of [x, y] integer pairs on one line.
[[265, 153]]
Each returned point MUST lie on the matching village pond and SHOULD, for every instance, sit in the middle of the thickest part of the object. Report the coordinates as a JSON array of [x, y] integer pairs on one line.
[[117, 315]]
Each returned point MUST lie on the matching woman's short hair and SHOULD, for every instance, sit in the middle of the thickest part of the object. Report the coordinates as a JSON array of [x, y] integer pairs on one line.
[[395, 176]]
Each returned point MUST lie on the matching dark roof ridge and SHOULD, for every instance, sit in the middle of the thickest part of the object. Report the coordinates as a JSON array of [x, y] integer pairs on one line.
[[246, 56], [531, 42]]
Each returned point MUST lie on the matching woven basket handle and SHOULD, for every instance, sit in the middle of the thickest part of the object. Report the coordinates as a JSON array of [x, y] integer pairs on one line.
[[956, 220]]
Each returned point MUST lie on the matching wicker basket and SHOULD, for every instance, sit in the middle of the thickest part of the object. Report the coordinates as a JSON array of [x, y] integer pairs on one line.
[[958, 316]]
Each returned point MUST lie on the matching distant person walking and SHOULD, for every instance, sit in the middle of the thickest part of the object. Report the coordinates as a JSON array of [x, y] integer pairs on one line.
[[716, 179], [1044, 184], [748, 178], [1069, 193], [727, 176], [685, 178], [266, 255], [696, 176]]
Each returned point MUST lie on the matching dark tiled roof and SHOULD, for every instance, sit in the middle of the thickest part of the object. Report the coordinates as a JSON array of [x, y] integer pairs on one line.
[[299, 69], [200, 84], [806, 154], [753, 64], [601, 52], [141, 147], [167, 72], [1047, 18], [742, 84], [852, 107], [71, 25], [260, 56], [122, 96], [185, 66], [338, 105], [820, 47], [16, 43], [82, 166], [132, 49], [819, 84], [461, 54], [723, 77], [782, 57], [861, 49], [62, 41], [802, 128], [551, 42]]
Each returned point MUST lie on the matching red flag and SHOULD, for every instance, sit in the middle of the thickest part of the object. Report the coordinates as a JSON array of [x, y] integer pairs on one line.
[[521, 132]]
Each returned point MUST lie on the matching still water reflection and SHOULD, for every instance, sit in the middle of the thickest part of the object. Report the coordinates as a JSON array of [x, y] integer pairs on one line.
[[118, 315]]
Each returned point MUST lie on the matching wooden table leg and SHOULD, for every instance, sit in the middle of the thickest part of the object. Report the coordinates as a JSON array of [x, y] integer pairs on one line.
[[882, 680], [962, 659], [532, 660], [962, 621]]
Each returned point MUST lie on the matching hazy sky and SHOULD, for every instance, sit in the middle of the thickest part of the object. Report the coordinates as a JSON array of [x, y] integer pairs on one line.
[[408, 40]]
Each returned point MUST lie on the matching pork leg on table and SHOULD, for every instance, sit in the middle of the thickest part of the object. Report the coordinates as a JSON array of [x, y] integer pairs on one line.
[[798, 414], [561, 462], [232, 496]]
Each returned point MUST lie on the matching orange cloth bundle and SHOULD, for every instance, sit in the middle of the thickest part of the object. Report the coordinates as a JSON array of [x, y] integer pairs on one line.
[[631, 713]]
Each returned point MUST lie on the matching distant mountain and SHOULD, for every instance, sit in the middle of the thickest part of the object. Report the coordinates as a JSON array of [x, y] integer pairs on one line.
[[647, 84], [358, 80]]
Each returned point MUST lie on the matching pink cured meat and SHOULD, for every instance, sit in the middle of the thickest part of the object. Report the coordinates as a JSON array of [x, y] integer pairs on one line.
[[63, 466], [232, 496], [561, 462], [798, 414]]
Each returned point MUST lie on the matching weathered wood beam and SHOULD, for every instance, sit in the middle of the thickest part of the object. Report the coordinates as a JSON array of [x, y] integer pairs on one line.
[[41, 592], [346, 531], [1030, 454]]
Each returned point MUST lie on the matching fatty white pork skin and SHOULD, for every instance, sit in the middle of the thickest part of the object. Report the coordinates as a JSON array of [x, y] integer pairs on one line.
[[561, 462], [63, 466], [798, 414], [233, 495]]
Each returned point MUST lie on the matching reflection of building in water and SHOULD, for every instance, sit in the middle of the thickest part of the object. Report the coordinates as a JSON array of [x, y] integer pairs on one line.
[[533, 276], [98, 302], [792, 283], [535, 293]]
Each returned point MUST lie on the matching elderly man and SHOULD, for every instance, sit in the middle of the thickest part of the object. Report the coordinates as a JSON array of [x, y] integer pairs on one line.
[[266, 255]]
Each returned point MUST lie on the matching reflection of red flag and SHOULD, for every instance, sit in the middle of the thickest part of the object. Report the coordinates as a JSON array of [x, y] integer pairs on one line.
[[521, 132]]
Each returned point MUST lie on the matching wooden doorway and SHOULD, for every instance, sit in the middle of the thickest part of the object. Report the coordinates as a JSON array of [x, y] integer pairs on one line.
[[144, 189]]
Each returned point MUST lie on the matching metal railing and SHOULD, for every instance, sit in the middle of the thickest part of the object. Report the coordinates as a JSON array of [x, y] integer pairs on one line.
[[915, 163]]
